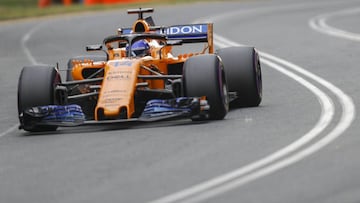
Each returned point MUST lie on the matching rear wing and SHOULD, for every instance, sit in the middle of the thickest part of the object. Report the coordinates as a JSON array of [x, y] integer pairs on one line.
[[190, 33]]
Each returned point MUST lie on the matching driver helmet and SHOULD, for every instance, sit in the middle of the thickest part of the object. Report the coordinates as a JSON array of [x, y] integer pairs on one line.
[[140, 48]]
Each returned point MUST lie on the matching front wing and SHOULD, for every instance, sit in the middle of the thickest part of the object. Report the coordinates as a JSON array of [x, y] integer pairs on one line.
[[155, 110]]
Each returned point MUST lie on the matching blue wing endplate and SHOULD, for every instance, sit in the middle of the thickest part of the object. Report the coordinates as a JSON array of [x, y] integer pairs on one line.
[[158, 109], [67, 115]]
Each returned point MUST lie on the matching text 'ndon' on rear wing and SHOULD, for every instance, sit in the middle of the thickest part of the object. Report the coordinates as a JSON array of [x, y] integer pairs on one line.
[[190, 33]]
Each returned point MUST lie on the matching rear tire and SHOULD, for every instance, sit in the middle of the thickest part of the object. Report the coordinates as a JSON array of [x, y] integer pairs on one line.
[[243, 74], [36, 88], [203, 75]]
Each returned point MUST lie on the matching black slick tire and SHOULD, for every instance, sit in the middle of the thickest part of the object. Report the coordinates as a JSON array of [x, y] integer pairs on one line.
[[203, 75], [36, 88], [243, 74]]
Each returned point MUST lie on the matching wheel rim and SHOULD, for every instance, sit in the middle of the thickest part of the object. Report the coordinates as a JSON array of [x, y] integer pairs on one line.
[[224, 89], [258, 76], [226, 96]]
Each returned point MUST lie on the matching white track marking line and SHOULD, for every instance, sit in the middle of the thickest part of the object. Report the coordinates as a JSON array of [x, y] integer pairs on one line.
[[26, 38], [32, 60], [26, 50], [12, 128], [347, 117], [327, 112], [236, 178], [319, 24]]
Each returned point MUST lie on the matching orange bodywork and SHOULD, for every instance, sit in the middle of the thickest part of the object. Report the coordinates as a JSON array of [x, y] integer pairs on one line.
[[121, 74], [117, 90]]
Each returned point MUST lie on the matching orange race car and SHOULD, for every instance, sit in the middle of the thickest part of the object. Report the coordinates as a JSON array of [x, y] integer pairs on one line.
[[140, 79]]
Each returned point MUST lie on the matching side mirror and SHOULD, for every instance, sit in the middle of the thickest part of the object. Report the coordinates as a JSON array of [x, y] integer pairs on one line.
[[95, 47]]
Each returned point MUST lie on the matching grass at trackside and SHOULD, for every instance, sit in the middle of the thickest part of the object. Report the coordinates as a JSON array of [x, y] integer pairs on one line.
[[17, 9]]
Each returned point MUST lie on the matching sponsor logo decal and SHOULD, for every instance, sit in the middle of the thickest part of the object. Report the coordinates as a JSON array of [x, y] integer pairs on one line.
[[186, 29], [121, 63], [119, 75]]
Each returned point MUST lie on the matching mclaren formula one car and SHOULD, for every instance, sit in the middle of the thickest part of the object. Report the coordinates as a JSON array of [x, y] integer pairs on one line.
[[139, 78]]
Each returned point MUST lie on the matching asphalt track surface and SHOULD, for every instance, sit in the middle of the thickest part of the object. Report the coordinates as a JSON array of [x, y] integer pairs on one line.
[[300, 145]]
